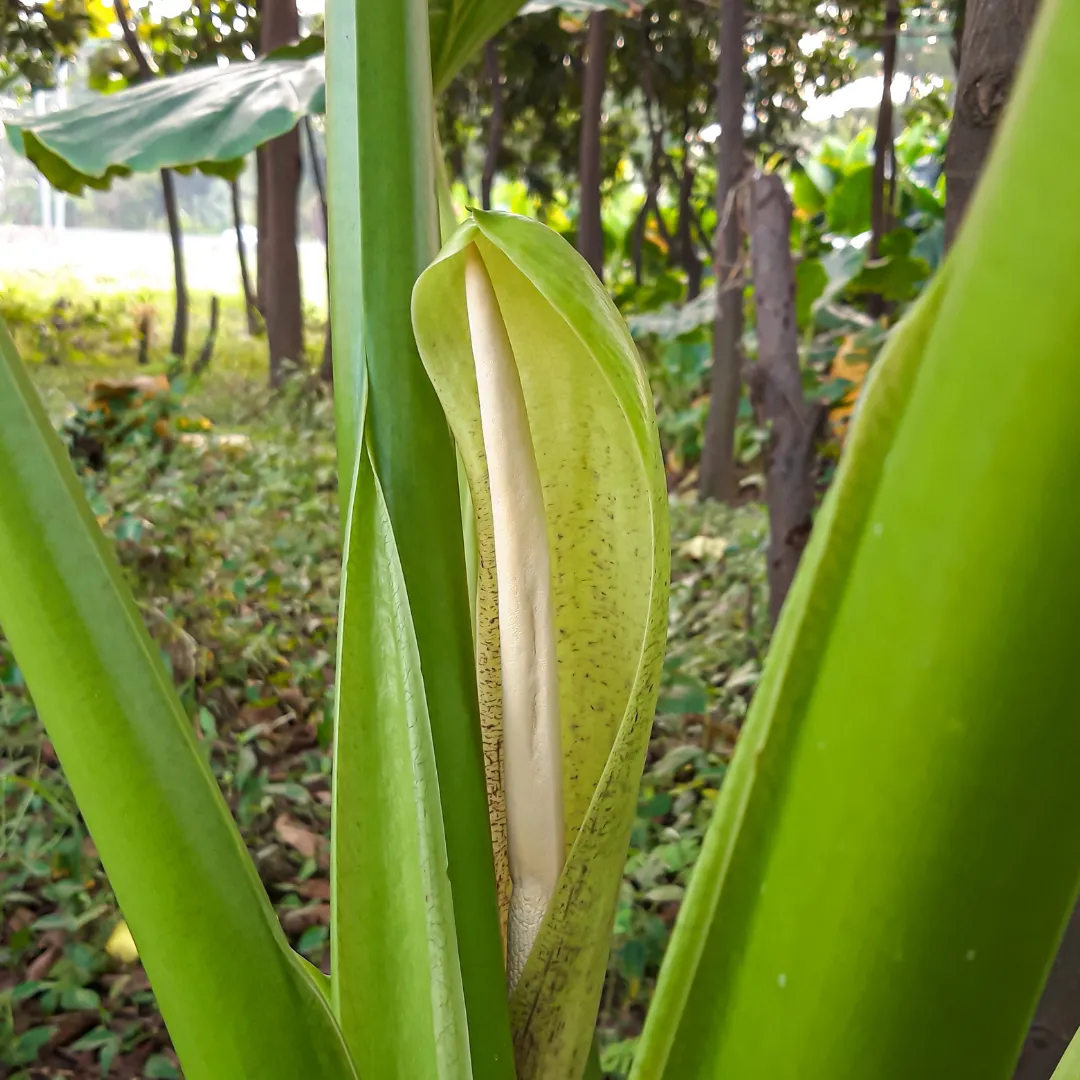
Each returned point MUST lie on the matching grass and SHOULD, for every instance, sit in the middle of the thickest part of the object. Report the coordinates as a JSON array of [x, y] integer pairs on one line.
[[233, 556]]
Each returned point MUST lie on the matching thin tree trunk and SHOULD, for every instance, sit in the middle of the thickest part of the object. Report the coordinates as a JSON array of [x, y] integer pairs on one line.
[[883, 141], [717, 479], [206, 353], [497, 122], [776, 385], [684, 235], [250, 302], [279, 262], [178, 346], [656, 154], [590, 230], [688, 256], [995, 32], [326, 370], [262, 186]]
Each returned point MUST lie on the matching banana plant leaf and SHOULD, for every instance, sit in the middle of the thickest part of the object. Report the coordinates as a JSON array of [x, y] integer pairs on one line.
[[209, 119]]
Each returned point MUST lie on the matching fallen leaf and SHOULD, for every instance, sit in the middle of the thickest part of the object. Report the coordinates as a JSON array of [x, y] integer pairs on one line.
[[297, 919], [314, 888], [121, 945], [290, 831], [700, 548], [40, 966]]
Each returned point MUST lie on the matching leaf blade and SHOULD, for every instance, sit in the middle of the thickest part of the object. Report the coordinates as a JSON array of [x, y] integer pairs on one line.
[[234, 994], [888, 909], [398, 989], [210, 118]]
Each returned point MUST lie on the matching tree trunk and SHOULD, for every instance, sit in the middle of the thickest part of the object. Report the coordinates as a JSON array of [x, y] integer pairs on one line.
[[279, 262], [168, 189], [656, 155], [590, 230], [883, 141], [172, 214], [776, 385], [496, 124], [684, 235], [326, 370], [262, 186], [250, 303], [718, 452], [206, 353], [995, 32]]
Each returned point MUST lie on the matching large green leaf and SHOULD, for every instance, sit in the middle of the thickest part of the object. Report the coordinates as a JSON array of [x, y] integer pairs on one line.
[[238, 1001], [210, 118], [397, 981], [896, 847], [591, 423]]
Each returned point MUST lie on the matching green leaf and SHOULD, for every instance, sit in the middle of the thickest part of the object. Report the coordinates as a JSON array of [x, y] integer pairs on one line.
[[234, 995], [25, 1047], [210, 118], [159, 1067], [397, 980], [806, 195], [79, 997], [882, 888], [460, 27], [592, 427], [847, 209], [811, 281]]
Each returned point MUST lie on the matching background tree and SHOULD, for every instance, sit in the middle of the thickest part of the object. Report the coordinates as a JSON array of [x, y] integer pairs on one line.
[[36, 38], [168, 190], [590, 228], [279, 186], [718, 480], [994, 34]]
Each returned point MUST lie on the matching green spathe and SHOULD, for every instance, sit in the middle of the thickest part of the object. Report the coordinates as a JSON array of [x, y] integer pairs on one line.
[[592, 427]]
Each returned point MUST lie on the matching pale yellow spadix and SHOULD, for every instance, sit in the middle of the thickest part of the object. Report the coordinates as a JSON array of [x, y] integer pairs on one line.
[[532, 755]]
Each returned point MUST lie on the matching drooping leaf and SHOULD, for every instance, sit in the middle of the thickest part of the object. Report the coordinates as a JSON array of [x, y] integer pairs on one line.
[[209, 118], [237, 1000], [870, 901], [594, 434], [212, 118]]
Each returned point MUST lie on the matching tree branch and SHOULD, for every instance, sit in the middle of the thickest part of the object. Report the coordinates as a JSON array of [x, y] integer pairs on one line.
[[131, 40]]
